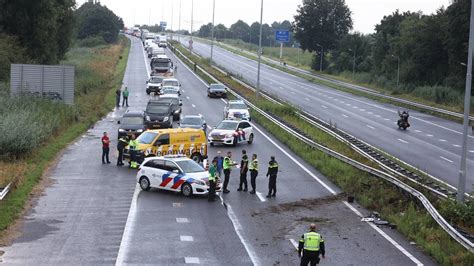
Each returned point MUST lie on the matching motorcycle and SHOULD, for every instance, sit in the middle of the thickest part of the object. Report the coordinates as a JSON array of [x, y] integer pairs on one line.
[[403, 121]]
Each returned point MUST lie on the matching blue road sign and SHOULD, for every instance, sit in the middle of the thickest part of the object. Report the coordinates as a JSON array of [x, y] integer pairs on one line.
[[282, 35], [163, 24]]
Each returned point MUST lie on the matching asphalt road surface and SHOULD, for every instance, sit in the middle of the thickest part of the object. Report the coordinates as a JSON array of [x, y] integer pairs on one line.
[[431, 143], [96, 214]]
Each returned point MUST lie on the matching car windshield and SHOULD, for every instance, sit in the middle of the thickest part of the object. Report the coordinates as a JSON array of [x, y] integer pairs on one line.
[[169, 91], [156, 80], [190, 166], [191, 121], [173, 83], [237, 106], [132, 121], [146, 137], [173, 101], [227, 125], [157, 108], [217, 87]]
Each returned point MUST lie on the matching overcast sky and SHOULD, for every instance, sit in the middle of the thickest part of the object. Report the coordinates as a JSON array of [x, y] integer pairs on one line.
[[365, 13]]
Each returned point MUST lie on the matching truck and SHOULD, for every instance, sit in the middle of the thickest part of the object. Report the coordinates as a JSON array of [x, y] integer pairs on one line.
[[160, 64], [153, 50], [162, 41]]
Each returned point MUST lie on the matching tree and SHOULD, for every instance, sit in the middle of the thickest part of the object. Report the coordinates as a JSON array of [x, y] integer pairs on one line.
[[205, 30], [322, 22], [240, 30], [97, 20], [221, 32], [255, 32], [342, 57]]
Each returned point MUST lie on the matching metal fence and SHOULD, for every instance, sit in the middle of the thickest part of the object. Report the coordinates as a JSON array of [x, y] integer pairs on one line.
[[51, 82]]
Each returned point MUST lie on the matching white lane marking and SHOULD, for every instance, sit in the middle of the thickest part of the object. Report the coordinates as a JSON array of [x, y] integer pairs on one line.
[[362, 110], [177, 204], [446, 159], [330, 97], [182, 220], [346, 116], [471, 151], [369, 113], [224, 101], [238, 230], [387, 237], [355, 107], [429, 135], [341, 101], [456, 145], [404, 141], [369, 126], [293, 92], [145, 61], [348, 104], [261, 197], [193, 105], [128, 231], [187, 97], [386, 119], [307, 99], [182, 90], [377, 116], [315, 177], [191, 260], [294, 243], [442, 140], [324, 106], [418, 131], [186, 238], [281, 88]]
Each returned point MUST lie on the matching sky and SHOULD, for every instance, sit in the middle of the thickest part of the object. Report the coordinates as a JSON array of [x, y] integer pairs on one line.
[[365, 13]]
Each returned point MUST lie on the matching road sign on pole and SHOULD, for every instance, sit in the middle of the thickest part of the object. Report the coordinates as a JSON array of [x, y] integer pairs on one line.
[[282, 36], [163, 24]]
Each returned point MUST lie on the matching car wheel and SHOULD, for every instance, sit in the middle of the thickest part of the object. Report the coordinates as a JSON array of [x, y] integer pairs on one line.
[[250, 141], [144, 183], [187, 190], [212, 143], [196, 157]]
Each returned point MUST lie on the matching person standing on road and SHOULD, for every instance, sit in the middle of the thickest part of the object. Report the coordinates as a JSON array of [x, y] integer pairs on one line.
[[272, 174], [220, 160], [312, 245], [253, 167], [133, 146], [227, 165], [117, 98], [125, 94], [121, 144], [244, 167], [212, 181], [105, 148]]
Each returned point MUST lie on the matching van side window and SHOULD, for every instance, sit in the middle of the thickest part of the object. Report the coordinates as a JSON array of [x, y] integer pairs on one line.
[[163, 139]]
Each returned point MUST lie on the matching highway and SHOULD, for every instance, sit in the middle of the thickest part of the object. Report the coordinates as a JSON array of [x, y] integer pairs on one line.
[[96, 214], [431, 143]]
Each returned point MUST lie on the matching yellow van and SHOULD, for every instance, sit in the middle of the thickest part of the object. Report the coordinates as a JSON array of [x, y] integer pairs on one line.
[[159, 142]]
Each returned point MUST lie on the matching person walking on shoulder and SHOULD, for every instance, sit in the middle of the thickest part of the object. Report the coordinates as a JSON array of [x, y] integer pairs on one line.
[[105, 148], [125, 94]]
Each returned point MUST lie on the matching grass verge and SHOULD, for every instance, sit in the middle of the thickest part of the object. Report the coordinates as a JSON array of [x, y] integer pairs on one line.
[[374, 194], [94, 98]]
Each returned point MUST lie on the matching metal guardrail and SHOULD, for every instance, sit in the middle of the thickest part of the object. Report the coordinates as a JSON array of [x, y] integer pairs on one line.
[[415, 194], [5, 191]]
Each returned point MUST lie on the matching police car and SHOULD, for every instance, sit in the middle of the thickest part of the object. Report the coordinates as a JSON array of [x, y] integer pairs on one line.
[[175, 173], [231, 132], [236, 109]]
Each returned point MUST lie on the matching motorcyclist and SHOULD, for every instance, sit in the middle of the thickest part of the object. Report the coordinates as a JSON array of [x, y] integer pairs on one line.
[[403, 118]]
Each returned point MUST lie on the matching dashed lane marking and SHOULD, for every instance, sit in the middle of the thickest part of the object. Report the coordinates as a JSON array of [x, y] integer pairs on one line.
[[446, 159], [182, 220], [177, 204], [471, 151], [386, 119], [261, 197], [186, 238], [369, 126], [307, 99], [404, 141], [346, 116], [418, 131], [193, 105], [191, 260], [294, 243], [324, 106], [429, 135], [187, 97], [456, 145], [442, 140]]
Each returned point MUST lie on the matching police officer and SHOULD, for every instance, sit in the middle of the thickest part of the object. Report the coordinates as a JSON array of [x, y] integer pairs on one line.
[[312, 245], [133, 147], [244, 168], [212, 180], [253, 167], [272, 173], [227, 165], [121, 144]]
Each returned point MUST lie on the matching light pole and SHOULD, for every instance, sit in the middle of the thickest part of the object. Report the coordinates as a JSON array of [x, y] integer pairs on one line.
[[179, 23], [467, 103], [322, 54], [353, 63], [192, 17], [398, 69], [257, 92], [212, 29]]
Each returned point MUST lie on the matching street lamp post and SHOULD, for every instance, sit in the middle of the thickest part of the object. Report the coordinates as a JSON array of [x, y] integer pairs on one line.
[[353, 63], [212, 30], [192, 17], [467, 103], [179, 23], [257, 92], [322, 54]]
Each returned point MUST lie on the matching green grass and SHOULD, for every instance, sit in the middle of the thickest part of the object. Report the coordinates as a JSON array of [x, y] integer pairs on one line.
[[372, 193], [90, 105]]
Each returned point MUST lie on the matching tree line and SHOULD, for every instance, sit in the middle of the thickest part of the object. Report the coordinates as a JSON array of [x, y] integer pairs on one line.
[[42, 31]]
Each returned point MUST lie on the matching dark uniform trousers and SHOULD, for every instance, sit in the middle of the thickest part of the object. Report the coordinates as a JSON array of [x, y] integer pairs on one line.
[[212, 190], [253, 177], [309, 257], [226, 178], [243, 180], [272, 185]]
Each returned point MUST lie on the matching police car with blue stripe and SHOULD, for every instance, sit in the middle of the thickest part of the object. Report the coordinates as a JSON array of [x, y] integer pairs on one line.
[[175, 173]]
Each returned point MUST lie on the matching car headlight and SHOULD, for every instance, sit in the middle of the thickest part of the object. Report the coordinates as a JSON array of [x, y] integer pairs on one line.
[[176, 112], [121, 130], [229, 135], [147, 118], [166, 119], [140, 130], [199, 182]]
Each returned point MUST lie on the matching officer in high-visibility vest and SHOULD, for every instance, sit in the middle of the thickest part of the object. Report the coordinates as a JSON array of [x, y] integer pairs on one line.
[[253, 167], [272, 174], [212, 180], [312, 245], [133, 146], [121, 144], [227, 165]]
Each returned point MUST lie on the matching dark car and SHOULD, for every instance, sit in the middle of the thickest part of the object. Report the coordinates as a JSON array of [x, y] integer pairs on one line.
[[131, 123], [175, 104], [193, 121], [158, 114], [217, 90], [154, 84]]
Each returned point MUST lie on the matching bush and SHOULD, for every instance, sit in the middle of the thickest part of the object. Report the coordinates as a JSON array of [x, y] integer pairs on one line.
[[92, 41], [10, 52], [439, 94]]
